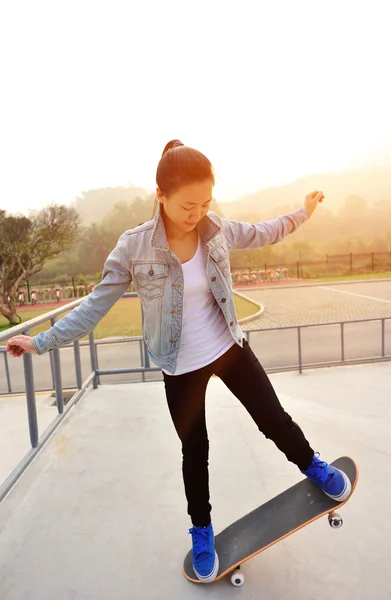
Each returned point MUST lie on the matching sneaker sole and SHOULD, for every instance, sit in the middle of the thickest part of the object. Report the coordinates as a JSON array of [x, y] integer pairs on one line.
[[344, 495], [212, 576]]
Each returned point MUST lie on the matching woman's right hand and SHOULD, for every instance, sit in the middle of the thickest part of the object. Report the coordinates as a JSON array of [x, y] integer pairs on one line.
[[20, 344], [312, 200]]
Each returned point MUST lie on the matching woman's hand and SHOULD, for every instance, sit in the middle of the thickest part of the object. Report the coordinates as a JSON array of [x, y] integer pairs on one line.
[[20, 344], [311, 201]]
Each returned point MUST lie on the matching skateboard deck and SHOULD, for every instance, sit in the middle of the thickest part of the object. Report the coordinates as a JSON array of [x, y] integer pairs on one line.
[[273, 521]]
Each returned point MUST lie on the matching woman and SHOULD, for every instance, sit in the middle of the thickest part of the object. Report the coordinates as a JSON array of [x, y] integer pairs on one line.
[[179, 264]]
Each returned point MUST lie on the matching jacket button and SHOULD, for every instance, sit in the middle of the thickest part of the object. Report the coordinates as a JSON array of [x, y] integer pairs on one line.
[[213, 278], [231, 323], [223, 300]]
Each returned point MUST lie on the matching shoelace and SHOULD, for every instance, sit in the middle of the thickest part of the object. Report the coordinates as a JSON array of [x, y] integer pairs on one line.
[[320, 471], [200, 540]]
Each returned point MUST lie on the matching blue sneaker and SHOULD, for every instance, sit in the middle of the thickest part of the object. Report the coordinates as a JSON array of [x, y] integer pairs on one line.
[[332, 481], [205, 559]]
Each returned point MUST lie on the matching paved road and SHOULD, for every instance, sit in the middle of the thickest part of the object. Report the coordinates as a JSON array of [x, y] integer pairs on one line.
[[283, 307], [320, 304]]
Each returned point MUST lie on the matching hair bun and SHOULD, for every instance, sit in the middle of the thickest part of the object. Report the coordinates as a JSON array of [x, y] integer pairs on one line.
[[172, 144]]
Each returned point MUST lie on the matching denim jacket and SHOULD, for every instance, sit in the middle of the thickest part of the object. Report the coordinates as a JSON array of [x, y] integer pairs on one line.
[[142, 256]]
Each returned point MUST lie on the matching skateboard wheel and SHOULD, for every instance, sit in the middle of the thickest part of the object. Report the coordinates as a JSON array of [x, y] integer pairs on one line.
[[335, 520], [237, 578]]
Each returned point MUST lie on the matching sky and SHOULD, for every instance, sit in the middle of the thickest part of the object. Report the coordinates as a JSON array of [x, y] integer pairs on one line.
[[91, 91]]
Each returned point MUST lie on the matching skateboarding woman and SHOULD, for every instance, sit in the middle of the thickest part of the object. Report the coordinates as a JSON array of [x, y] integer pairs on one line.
[[179, 265]]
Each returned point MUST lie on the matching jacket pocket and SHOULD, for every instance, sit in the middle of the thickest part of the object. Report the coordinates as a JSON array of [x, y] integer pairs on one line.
[[150, 279], [220, 255]]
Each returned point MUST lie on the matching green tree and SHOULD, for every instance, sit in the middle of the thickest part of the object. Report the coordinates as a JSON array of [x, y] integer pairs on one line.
[[26, 244]]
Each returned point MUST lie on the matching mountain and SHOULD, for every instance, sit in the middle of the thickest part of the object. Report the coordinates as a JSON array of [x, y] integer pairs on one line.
[[371, 184], [93, 205]]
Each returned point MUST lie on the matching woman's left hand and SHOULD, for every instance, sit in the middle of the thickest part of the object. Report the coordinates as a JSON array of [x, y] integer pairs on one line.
[[311, 201]]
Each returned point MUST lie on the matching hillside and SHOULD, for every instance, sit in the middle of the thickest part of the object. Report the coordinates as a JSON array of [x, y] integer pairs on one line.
[[94, 205], [371, 184]]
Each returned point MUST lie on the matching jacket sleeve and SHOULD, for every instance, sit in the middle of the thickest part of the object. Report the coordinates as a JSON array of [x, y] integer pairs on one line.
[[245, 235], [116, 278]]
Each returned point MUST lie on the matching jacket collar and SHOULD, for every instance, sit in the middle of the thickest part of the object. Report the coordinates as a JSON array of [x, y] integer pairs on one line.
[[207, 229]]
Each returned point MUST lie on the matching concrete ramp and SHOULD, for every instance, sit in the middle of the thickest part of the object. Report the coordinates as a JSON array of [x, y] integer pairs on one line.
[[101, 512]]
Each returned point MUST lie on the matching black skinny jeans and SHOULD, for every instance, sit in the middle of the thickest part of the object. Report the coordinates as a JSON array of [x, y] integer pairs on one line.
[[242, 373]]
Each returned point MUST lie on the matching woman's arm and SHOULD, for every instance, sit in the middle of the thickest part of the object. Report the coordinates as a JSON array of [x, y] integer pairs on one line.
[[245, 235], [116, 278]]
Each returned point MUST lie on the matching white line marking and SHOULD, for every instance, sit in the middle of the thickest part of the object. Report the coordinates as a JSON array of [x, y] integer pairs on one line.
[[358, 295]]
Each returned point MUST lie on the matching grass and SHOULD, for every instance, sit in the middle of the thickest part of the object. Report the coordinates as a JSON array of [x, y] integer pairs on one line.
[[124, 319]]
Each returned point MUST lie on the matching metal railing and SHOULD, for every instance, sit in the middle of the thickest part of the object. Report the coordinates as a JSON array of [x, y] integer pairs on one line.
[[95, 374], [300, 365], [37, 441]]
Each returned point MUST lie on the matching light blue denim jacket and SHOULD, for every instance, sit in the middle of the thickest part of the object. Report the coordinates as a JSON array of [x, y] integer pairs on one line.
[[142, 256]]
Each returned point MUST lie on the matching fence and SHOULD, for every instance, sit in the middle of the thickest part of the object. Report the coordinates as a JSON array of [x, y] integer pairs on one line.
[[37, 292], [346, 264], [49, 291], [332, 264]]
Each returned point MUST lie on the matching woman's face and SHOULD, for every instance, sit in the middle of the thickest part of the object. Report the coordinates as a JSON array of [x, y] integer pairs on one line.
[[186, 207]]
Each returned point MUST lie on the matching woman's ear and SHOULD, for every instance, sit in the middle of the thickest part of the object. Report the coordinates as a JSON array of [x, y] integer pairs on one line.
[[159, 195]]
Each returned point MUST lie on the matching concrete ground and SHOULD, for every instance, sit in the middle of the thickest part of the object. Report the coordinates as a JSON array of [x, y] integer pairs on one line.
[[101, 513]]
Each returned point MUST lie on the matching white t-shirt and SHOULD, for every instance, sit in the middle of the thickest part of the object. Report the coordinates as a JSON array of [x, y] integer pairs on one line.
[[205, 334]]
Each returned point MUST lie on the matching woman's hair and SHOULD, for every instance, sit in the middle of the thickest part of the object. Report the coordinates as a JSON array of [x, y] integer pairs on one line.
[[181, 165]]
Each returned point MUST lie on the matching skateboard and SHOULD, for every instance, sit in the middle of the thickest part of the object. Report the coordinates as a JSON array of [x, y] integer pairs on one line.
[[288, 512]]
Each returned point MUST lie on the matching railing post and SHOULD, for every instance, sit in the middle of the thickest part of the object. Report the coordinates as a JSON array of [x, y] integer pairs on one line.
[[93, 358], [7, 373], [342, 343], [52, 369], [146, 355], [76, 353], [142, 359], [383, 338], [58, 380], [57, 376], [30, 397], [96, 362], [299, 349]]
